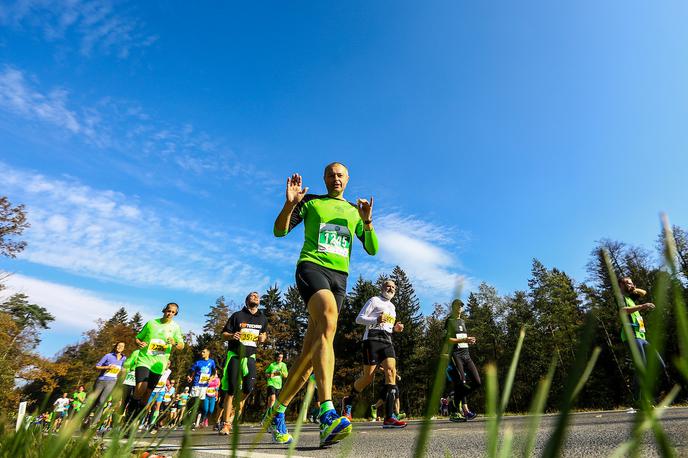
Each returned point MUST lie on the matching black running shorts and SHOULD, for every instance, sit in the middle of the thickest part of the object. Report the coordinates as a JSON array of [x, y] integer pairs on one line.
[[144, 374], [272, 390], [311, 278], [376, 351]]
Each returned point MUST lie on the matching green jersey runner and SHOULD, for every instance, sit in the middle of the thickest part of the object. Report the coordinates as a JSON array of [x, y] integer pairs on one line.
[[155, 355], [329, 225], [275, 380]]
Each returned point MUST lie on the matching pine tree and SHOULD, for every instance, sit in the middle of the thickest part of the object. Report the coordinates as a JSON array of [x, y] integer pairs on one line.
[[217, 317], [20, 325], [555, 300], [483, 309], [271, 300], [120, 317], [535, 355], [136, 322], [408, 344], [681, 241], [347, 340], [294, 322]]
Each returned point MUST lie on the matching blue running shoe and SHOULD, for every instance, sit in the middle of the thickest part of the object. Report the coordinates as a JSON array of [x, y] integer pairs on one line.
[[280, 435], [333, 428], [470, 415]]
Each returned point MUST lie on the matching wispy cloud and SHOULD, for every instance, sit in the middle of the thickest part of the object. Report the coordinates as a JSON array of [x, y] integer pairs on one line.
[[18, 97], [109, 235], [427, 252], [103, 26], [76, 310], [65, 301], [127, 128]]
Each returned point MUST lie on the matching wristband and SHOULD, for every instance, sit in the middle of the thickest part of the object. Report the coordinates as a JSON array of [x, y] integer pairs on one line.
[[370, 221]]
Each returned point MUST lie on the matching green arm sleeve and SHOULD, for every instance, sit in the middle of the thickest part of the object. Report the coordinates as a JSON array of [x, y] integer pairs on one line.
[[143, 335], [178, 337], [368, 238]]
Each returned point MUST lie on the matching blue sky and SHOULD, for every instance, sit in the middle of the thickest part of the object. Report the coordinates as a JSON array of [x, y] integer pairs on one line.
[[150, 141]]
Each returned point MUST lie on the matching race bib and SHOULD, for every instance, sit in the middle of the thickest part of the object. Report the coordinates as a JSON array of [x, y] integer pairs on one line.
[[112, 371], [388, 319], [160, 384], [462, 335], [334, 238], [167, 397], [204, 378], [641, 324], [211, 392], [157, 347], [130, 379], [249, 337]]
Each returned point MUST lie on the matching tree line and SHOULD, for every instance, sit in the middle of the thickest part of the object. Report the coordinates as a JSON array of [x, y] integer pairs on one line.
[[552, 310]]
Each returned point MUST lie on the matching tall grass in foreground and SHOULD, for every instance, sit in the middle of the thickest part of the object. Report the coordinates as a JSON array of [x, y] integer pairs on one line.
[[667, 290], [122, 441]]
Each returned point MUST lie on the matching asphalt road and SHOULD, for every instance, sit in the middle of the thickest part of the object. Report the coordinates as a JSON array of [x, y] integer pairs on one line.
[[590, 434]]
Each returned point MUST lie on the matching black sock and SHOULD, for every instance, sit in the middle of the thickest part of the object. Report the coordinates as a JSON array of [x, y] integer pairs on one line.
[[390, 400]]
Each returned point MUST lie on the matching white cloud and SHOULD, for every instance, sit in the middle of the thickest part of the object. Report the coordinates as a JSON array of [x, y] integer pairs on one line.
[[425, 251], [107, 235], [16, 96], [73, 308], [77, 310], [97, 24]]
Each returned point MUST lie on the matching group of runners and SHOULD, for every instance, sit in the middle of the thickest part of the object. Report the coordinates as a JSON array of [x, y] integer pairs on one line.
[[330, 225]]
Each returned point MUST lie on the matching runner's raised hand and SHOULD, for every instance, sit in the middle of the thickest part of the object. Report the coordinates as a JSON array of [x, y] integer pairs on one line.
[[295, 193], [365, 209]]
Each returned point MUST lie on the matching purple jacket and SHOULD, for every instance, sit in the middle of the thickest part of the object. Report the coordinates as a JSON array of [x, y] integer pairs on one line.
[[108, 360]]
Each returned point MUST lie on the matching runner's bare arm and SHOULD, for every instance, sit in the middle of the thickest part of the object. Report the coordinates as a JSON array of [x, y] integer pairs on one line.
[[639, 307]]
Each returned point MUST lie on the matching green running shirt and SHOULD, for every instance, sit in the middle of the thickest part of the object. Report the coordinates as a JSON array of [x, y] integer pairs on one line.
[[275, 381], [637, 322], [329, 226], [156, 354]]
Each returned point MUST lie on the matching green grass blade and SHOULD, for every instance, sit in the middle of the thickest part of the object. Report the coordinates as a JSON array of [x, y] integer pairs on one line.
[[508, 384], [507, 442], [437, 388], [538, 406], [491, 395], [670, 257], [627, 448], [556, 441], [586, 373], [310, 389]]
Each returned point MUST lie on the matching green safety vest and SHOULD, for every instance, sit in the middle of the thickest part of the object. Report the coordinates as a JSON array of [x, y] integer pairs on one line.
[[637, 322]]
